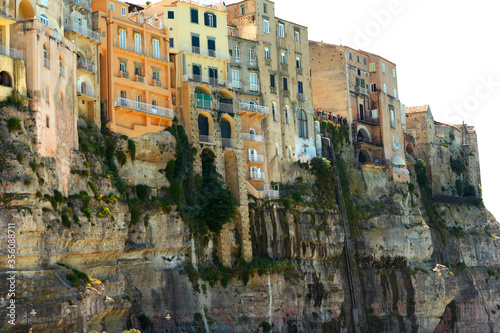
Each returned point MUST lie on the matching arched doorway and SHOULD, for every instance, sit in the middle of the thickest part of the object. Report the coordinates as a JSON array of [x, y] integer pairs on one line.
[[231, 173], [228, 131], [5, 79], [363, 135], [206, 128], [364, 156]]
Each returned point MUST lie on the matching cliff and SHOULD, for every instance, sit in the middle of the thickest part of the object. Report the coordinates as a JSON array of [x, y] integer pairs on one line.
[[114, 252]]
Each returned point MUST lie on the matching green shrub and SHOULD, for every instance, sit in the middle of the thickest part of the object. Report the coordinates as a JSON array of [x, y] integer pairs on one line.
[[266, 327], [492, 272], [170, 170], [458, 166], [58, 196], [13, 124], [131, 149], [145, 322], [286, 203], [27, 182], [121, 157], [142, 191], [462, 266], [469, 191], [411, 187], [87, 212], [33, 165], [459, 185], [65, 221], [94, 189], [297, 196], [104, 212]]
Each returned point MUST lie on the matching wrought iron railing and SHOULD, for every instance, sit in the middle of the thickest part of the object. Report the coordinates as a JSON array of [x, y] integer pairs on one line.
[[143, 107]]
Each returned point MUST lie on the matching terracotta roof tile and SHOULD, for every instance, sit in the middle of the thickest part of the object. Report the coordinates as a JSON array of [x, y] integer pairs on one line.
[[417, 109]]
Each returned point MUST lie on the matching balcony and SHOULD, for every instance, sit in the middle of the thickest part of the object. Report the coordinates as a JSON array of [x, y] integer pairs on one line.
[[302, 96], [256, 158], [82, 64], [82, 91], [143, 107], [376, 162], [207, 139], [257, 175], [33, 24], [228, 143], [73, 27], [368, 120], [139, 78], [85, 4], [253, 62], [368, 142], [225, 107], [140, 50], [362, 91], [236, 84], [7, 13], [251, 107], [10, 52], [204, 52], [252, 137], [274, 193], [124, 75], [157, 83], [207, 80]]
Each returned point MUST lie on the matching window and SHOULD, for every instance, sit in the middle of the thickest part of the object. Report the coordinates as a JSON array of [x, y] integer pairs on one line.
[[138, 43], [265, 8], [350, 55], [44, 19], [281, 30], [383, 68], [242, 10], [211, 47], [123, 67], [61, 67], [277, 148], [46, 95], [287, 115], [138, 98], [267, 54], [252, 56], [210, 20], [123, 39], [373, 87], [124, 11], [235, 75], [171, 42], [289, 152], [266, 26], [275, 115], [112, 7], [47, 121], [46, 61], [385, 88], [156, 47], [212, 75], [138, 71], [285, 83], [194, 15], [364, 61], [254, 85], [395, 93], [302, 124], [170, 14], [237, 54], [357, 58], [156, 75], [195, 42], [272, 83], [44, 3], [197, 73], [283, 57], [394, 73], [393, 121], [300, 87], [298, 62], [297, 37]]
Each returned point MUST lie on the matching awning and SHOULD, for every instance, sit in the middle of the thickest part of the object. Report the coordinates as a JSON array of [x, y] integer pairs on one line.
[[398, 162]]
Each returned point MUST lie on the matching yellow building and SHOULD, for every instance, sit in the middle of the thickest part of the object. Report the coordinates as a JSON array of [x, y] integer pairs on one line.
[[136, 72], [12, 70]]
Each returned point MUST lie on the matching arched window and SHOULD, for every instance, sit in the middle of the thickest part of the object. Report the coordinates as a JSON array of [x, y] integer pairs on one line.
[[83, 87], [251, 131], [44, 19], [302, 124], [5, 79], [252, 155], [252, 105], [46, 62], [275, 115]]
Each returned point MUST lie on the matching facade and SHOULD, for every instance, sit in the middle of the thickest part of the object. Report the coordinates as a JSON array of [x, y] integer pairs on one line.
[[135, 70], [438, 145], [282, 56], [362, 87], [80, 28]]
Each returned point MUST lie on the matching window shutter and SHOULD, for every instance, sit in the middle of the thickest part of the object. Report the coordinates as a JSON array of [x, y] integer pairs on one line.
[[215, 20], [195, 41], [194, 16], [211, 44], [206, 18], [372, 67]]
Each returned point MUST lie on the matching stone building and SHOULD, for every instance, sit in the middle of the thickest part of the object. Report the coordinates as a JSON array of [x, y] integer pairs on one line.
[[80, 27], [136, 72], [362, 87], [50, 78], [442, 145], [208, 107], [282, 56]]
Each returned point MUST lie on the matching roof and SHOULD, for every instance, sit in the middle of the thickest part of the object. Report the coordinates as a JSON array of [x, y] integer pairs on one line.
[[416, 109]]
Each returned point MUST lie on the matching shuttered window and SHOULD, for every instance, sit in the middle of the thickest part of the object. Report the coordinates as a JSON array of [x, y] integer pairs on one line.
[[194, 15]]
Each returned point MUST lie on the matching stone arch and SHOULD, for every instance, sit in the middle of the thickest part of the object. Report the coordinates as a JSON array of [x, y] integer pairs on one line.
[[5, 79], [228, 130], [231, 173], [364, 156], [363, 134], [25, 10]]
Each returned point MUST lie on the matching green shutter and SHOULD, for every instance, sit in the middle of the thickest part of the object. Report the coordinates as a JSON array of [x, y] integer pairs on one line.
[[194, 15], [215, 21]]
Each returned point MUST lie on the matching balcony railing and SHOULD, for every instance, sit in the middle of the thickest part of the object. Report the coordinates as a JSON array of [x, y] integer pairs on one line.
[[252, 137], [374, 142], [10, 52], [82, 64], [236, 84], [33, 24], [225, 107], [368, 120], [257, 175], [139, 78], [82, 3], [124, 75], [377, 162], [83, 31], [207, 139], [360, 90], [157, 83], [142, 50], [302, 96], [274, 193], [228, 143], [84, 91], [256, 158], [254, 108], [207, 80], [204, 52], [143, 107]]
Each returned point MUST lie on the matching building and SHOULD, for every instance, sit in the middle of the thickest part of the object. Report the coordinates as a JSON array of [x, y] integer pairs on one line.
[[443, 145], [362, 87], [208, 107], [79, 27], [135, 70], [282, 55]]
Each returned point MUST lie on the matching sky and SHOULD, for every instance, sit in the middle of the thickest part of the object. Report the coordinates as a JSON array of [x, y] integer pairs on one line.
[[447, 55]]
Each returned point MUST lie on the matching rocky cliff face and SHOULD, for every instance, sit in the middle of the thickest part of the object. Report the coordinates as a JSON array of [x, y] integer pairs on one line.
[[92, 259]]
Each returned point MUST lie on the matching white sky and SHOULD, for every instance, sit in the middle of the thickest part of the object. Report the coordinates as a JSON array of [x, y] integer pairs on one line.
[[445, 51]]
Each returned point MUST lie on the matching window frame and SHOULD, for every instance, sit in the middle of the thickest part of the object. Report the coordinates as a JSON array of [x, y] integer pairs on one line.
[[124, 11], [281, 30], [303, 130], [266, 26]]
